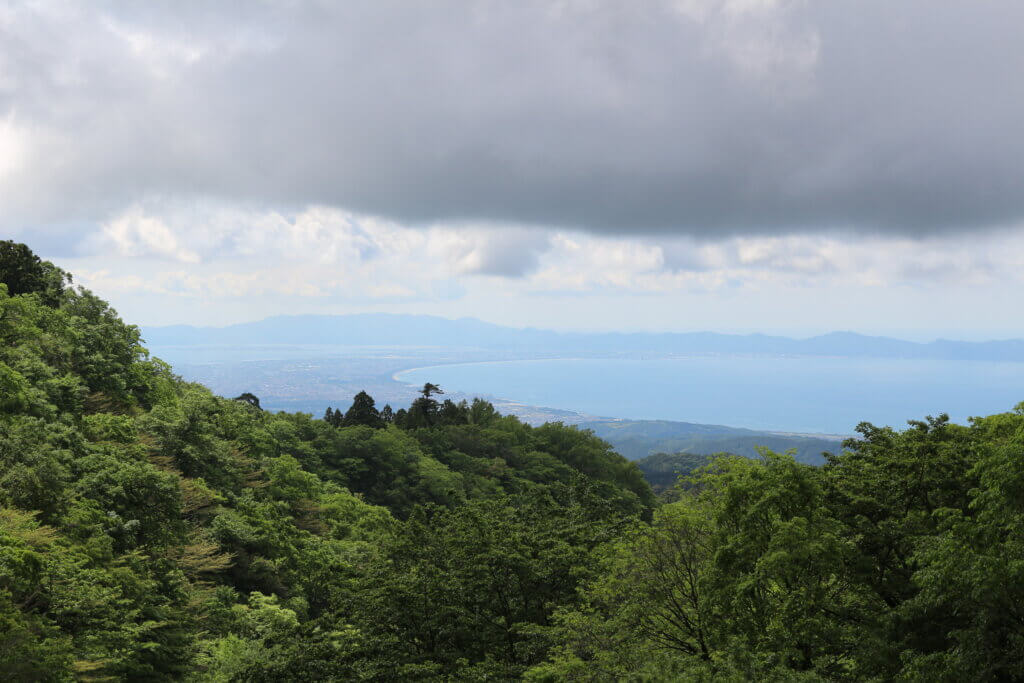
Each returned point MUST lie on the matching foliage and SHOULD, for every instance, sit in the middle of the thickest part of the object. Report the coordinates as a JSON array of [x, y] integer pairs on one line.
[[25, 273], [663, 470], [150, 530]]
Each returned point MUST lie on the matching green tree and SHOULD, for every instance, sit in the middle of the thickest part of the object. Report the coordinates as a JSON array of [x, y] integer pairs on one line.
[[25, 273], [250, 399], [889, 488], [363, 412], [745, 577], [467, 592], [424, 411], [970, 573]]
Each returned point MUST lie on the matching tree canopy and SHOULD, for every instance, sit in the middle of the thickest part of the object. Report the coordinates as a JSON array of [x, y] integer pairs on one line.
[[25, 273], [150, 530]]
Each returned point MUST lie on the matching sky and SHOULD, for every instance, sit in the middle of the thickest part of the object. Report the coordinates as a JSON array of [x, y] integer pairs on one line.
[[729, 165]]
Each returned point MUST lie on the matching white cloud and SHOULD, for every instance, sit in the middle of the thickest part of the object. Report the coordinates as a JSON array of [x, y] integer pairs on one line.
[[14, 144], [166, 262], [104, 281], [215, 250], [134, 233]]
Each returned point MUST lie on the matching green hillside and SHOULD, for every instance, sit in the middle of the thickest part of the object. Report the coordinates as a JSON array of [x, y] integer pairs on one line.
[[150, 530], [637, 439]]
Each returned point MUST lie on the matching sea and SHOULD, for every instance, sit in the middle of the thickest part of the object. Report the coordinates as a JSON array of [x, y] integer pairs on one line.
[[786, 394]]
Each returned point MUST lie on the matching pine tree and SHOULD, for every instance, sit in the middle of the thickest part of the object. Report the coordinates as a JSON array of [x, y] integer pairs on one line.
[[363, 412], [423, 411]]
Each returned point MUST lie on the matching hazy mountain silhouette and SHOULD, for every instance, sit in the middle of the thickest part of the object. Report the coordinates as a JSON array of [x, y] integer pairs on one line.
[[385, 329]]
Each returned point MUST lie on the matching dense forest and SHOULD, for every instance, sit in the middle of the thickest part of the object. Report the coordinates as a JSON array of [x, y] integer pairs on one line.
[[150, 530], [664, 470]]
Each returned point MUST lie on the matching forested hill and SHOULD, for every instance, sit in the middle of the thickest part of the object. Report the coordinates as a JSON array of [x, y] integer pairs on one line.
[[638, 439], [383, 329], [150, 530]]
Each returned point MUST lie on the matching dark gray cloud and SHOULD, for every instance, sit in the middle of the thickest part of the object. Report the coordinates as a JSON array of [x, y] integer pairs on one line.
[[706, 118]]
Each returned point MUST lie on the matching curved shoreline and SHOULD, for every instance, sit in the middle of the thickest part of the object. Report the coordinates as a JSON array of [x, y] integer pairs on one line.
[[591, 417], [781, 395], [506, 403], [395, 375]]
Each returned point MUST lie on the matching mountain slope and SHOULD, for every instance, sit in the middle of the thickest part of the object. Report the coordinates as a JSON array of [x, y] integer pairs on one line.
[[151, 530], [637, 439]]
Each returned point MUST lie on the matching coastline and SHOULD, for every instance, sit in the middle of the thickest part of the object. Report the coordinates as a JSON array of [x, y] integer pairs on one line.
[[531, 414], [534, 414], [396, 374]]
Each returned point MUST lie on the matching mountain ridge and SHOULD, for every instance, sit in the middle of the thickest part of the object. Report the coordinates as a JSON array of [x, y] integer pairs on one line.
[[393, 329]]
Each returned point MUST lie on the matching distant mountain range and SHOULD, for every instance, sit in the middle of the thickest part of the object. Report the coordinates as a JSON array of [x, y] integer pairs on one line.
[[385, 329]]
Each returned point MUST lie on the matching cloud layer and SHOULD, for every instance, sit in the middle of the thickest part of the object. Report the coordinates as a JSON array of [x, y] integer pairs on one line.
[[714, 119], [224, 251]]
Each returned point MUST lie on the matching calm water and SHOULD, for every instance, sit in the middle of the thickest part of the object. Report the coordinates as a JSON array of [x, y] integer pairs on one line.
[[828, 395]]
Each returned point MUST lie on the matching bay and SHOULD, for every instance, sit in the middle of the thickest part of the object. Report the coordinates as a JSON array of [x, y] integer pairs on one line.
[[791, 394]]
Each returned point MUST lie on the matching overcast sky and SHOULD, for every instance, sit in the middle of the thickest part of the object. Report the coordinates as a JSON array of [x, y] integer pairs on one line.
[[732, 165]]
